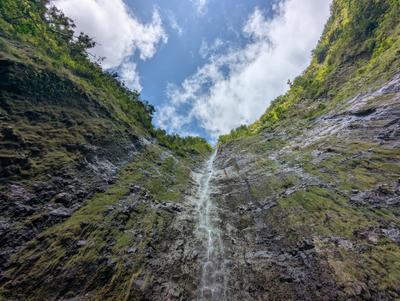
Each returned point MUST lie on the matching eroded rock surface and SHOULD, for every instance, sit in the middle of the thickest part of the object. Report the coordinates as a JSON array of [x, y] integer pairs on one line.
[[302, 216]]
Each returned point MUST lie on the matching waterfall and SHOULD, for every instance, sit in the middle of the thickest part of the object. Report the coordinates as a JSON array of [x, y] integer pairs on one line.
[[212, 285]]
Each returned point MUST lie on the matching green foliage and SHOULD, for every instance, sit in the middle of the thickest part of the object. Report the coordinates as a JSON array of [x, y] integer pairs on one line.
[[182, 145], [37, 24], [359, 48], [44, 26], [235, 133]]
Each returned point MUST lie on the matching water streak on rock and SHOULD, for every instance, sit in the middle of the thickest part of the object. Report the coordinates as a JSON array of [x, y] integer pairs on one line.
[[212, 265]]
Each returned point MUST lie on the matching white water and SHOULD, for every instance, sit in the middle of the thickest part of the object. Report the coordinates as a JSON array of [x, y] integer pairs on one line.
[[212, 265]]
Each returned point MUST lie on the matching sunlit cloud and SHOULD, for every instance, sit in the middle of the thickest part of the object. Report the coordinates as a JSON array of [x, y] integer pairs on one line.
[[118, 33], [235, 86]]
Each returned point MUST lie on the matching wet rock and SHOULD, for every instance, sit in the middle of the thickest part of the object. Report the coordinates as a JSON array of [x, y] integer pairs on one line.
[[22, 210], [383, 196], [63, 198], [19, 193], [364, 112], [135, 188], [305, 245], [35, 151], [10, 134], [170, 207], [174, 291], [81, 243], [345, 244], [61, 212], [139, 284], [101, 188], [13, 164], [259, 254], [373, 235], [82, 148], [286, 278], [132, 250], [393, 234]]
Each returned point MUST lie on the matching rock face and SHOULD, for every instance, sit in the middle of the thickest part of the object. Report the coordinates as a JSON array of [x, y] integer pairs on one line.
[[44, 177], [93, 205], [96, 204], [97, 209], [301, 216]]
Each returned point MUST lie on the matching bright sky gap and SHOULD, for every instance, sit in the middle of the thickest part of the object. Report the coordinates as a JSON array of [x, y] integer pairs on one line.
[[207, 66]]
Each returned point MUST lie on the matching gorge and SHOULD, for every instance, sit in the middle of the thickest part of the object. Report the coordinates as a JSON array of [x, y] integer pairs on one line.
[[303, 204]]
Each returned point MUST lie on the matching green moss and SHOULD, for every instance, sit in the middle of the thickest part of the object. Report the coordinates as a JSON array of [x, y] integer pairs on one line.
[[359, 50], [322, 212], [379, 263], [105, 232], [245, 221], [354, 164], [47, 66], [383, 263]]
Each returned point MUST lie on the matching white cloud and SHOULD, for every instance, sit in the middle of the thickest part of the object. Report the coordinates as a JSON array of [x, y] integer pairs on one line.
[[201, 6], [210, 49], [118, 33], [236, 86], [174, 23], [257, 26], [130, 76]]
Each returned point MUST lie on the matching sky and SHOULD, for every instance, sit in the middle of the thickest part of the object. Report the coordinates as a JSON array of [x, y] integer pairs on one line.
[[208, 66]]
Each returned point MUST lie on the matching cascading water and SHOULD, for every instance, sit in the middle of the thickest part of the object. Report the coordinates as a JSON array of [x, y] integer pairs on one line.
[[212, 265]]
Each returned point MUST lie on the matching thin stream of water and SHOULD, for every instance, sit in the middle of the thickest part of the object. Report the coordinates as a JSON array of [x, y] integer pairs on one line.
[[212, 265]]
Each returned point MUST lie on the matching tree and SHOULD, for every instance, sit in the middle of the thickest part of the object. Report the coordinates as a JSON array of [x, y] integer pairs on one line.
[[60, 24], [149, 108], [82, 43], [64, 27]]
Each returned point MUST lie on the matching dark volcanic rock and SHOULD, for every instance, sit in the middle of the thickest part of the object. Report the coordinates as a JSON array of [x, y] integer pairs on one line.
[[61, 212], [274, 202]]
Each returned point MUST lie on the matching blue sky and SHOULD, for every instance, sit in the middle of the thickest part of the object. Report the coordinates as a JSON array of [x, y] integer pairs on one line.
[[206, 65]]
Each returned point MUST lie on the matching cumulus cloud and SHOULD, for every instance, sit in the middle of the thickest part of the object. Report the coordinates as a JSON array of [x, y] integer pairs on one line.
[[236, 86], [130, 76], [118, 33]]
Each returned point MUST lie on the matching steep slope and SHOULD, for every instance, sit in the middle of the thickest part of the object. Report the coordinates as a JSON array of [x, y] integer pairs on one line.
[[309, 195], [96, 204], [92, 196]]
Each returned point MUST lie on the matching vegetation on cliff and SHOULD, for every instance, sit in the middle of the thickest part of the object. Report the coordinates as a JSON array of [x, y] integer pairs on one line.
[[319, 171], [88, 185], [42, 37], [96, 201], [358, 51]]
